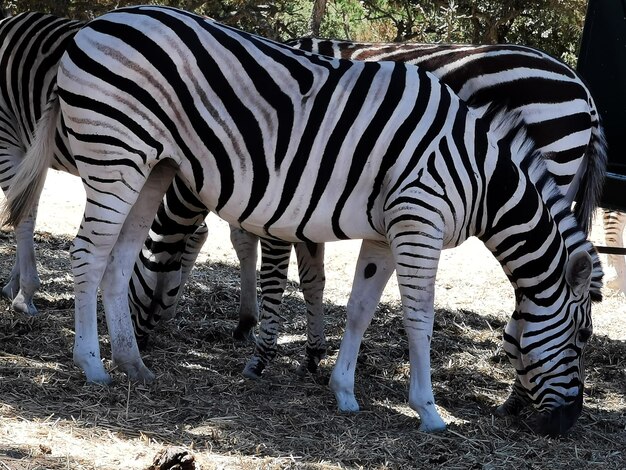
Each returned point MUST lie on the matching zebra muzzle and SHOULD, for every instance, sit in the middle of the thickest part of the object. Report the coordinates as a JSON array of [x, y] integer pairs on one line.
[[559, 421]]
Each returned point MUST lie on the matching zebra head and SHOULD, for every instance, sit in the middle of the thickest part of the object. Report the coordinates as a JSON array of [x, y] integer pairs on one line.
[[545, 341]]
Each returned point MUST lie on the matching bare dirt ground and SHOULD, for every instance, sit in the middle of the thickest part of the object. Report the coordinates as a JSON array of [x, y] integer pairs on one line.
[[50, 419]]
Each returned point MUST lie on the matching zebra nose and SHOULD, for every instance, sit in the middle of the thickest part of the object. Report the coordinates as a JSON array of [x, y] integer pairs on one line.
[[561, 419]]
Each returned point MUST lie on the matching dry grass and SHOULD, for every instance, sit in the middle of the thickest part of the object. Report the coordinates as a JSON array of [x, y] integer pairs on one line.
[[49, 418]]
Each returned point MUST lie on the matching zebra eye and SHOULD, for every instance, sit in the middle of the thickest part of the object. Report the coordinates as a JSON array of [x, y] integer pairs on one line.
[[584, 334]]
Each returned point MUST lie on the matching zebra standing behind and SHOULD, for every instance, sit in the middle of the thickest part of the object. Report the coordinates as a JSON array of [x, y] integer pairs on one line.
[[31, 45], [300, 147], [553, 103]]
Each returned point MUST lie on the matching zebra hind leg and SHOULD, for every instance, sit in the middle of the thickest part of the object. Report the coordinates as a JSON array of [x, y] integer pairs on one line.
[[374, 267], [614, 223], [274, 265], [312, 280], [27, 277], [115, 223], [245, 245], [115, 282], [24, 280]]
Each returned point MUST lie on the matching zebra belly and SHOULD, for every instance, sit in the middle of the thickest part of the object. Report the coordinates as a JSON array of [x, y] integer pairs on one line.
[[320, 227]]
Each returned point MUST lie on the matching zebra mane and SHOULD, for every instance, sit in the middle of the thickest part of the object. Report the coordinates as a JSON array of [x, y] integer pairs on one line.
[[508, 127]]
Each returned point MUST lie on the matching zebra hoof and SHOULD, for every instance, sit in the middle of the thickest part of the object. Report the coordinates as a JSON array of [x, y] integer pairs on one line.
[[99, 378], [136, 371], [244, 335], [436, 427], [302, 370], [310, 365], [312, 359], [254, 369], [346, 403], [21, 305]]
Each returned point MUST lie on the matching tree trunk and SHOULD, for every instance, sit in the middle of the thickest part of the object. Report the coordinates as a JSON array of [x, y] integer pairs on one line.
[[317, 15]]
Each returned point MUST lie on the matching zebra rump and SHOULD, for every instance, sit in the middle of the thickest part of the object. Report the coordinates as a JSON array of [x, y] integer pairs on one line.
[[31, 45]]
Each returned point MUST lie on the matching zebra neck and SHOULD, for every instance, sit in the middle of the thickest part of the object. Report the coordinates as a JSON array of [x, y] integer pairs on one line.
[[532, 232], [532, 253], [527, 223]]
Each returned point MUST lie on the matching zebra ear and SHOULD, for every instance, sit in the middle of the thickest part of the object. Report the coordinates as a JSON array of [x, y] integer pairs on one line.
[[578, 272]]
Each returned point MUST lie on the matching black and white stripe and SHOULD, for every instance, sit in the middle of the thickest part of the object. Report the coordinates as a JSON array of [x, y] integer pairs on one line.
[[31, 45], [553, 102], [614, 223], [300, 147]]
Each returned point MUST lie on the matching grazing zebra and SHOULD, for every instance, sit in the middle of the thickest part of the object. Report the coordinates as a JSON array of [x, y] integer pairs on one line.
[[31, 45], [299, 147]]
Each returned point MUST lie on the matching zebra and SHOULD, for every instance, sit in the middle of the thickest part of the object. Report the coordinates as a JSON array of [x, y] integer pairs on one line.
[[31, 44], [166, 260], [149, 93], [453, 63], [556, 107]]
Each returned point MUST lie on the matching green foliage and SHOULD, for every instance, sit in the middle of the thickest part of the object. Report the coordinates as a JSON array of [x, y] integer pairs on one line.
[[552, 25]]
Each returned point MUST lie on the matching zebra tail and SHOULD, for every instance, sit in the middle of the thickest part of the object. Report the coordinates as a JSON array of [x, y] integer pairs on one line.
[[23, 194], [590, 188]]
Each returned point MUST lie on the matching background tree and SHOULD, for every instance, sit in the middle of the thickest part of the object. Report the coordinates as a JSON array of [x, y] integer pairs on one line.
[[552, 25], [317, 16]]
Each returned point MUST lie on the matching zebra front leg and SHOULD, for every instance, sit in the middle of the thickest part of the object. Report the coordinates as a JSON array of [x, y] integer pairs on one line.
[[311, 273], [273, 277], [374, 267], [614, 223], [245, 244], [416, 242]]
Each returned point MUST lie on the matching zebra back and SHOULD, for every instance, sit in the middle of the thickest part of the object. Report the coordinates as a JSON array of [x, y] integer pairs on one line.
[[552, 100]]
